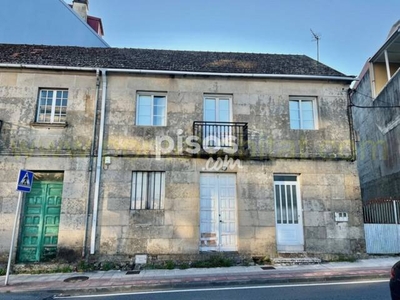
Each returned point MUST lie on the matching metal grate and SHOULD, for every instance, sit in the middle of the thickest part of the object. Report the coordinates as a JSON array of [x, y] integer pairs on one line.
[[221, 134], [381, 211], [148, 190]]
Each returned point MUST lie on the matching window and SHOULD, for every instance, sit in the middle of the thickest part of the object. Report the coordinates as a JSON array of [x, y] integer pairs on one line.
[[52, 106], [217, 109], [302, 113], [148, 189], [151, 109]]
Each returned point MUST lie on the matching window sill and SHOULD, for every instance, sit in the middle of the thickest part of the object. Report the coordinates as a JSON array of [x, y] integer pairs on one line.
[[49, 125]]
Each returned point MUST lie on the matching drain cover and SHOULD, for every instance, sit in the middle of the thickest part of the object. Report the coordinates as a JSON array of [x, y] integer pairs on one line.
[[133, 272], [268, 268], [76, 279]]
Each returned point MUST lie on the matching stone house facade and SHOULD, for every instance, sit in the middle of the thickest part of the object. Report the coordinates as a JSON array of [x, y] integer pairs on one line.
[[175, 153]]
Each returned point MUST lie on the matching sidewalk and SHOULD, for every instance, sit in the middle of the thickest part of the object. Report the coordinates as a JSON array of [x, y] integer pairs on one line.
[[119, 281]]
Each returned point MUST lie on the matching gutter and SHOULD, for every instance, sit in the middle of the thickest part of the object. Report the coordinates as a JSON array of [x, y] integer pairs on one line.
[[166, 72], [96, 197]]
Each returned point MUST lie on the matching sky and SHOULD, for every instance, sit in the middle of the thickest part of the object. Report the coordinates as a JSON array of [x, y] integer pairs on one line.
[[350, 31]]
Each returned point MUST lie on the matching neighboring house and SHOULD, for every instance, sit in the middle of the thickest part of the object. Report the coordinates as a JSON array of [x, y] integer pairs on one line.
[[154, 118], [50, 22], [376, 113]]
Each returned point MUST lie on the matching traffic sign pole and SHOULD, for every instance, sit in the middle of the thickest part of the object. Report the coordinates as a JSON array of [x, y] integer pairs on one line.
[[13, 236]]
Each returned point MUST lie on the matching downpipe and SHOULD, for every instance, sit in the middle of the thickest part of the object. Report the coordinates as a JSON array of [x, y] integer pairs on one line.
[[90, 168], [96, 198]]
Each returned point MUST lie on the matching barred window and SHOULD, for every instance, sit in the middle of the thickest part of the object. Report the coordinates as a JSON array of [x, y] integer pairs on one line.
[[148, 190]]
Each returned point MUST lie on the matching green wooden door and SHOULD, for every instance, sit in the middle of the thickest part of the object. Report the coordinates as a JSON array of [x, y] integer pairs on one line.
[[41, 218]]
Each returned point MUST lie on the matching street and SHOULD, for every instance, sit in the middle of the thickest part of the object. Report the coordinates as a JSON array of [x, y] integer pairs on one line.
[[362, 290], [365, 290]]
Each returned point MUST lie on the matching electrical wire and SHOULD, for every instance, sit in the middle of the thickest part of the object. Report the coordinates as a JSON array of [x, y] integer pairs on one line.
[[376, 106]]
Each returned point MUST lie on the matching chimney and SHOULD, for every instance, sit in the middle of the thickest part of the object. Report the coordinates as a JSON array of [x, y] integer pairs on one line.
[[81, 7]]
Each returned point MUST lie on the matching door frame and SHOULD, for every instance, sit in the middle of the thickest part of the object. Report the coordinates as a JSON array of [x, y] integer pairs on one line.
[[298, 247], [22, 221], [218, 248]]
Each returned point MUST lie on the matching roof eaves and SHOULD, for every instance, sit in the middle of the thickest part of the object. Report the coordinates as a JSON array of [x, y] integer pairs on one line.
[[388, 42]]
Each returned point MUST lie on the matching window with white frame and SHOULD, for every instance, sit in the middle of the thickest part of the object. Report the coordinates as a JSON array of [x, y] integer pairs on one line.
[[303, 113], [52, 106], [151, 109], [148, 190]]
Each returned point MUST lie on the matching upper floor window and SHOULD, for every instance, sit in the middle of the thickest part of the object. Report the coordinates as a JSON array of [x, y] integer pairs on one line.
[[52, 107], [303, 113], [151, 109], [217, 109]]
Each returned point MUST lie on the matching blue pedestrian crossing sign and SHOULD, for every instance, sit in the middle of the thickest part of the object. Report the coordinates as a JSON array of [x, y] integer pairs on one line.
[[25, 180]]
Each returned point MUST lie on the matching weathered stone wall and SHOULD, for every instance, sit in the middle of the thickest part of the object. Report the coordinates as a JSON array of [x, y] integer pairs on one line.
[[378, 146], [264, 104], [327, 185], [44, 149]]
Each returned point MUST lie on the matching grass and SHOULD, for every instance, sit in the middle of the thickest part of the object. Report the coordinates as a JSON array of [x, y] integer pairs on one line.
[[2, 272]]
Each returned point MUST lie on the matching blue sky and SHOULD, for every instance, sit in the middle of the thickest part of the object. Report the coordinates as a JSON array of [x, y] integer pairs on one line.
[[351, 30]]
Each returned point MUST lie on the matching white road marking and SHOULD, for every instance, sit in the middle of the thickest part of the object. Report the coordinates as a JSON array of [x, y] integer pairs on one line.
[[228, 288]]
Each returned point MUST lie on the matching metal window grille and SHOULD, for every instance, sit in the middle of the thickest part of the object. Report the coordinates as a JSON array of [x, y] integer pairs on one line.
[[382, 211], [148, 190]]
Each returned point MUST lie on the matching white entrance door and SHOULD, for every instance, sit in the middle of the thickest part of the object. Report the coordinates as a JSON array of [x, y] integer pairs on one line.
[[218, 226], [289, 222]]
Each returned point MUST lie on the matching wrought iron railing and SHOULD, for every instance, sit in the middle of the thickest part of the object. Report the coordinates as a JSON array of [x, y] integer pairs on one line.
[[222, 135]]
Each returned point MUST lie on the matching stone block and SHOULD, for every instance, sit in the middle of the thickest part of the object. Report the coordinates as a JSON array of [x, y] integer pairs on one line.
[[314, 232], [114, 218], [314, 205], [182, 190], [186, 218], [70, 238], [116, 190], [72, 222], [148, 217], [184, 204], [184, 246], [117, 204], [74, 190], [265, 233], [248, 218], [186, 232], [159, 246], [74, 205], [246, 232], [338, 192], [314, 218], [266, 218]]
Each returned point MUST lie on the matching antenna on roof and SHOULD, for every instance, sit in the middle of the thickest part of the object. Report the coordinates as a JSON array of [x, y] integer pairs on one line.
[[317, 37]]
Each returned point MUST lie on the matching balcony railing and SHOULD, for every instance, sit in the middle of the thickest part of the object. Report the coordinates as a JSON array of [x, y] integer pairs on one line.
[[222, 137]]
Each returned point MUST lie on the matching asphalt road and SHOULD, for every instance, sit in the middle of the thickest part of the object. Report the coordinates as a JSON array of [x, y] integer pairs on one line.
[[366, 290], [361, 290]]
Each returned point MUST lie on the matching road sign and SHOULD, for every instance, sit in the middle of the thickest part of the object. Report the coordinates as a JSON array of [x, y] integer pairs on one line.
[[25, 180]]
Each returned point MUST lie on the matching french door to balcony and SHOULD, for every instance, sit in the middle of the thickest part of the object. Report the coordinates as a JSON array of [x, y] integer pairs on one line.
[[217, 111]]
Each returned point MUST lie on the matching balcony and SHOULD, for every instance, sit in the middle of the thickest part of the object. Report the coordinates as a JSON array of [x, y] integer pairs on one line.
[[222, 138]]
